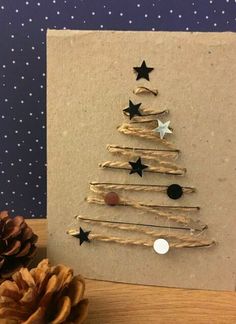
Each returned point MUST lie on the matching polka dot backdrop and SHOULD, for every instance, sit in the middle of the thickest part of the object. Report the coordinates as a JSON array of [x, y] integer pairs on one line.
[[23, 26]]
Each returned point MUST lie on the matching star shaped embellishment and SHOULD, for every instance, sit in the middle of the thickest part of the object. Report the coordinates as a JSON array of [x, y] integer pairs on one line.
[[163, 128], [137, 167], [133, 109], [82, 236], [143, 71]]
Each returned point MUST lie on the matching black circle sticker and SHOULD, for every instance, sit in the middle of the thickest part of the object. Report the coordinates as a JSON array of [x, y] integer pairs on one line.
[[174, 191]]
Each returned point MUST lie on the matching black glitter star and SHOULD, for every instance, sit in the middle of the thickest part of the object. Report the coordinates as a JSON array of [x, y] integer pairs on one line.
[[83, 236], [133, 110], [143, 71], [174, 191], [137, 167]]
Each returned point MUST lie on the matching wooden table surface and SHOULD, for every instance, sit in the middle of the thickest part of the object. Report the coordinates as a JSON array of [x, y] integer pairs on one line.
[[112, 303]]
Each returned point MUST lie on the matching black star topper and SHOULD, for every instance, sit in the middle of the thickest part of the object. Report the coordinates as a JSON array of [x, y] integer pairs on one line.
[[133, 110], [137, 167], [83, 236], [143, 71]]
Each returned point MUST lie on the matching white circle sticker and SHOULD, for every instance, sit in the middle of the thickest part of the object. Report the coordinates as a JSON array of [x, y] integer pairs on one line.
[[161, 246]]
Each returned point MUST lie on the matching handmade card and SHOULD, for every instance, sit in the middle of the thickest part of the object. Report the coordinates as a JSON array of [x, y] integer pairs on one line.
[[141, 156]]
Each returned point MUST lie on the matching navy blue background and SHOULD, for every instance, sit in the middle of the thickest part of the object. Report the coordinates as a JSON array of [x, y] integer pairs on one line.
[[23, 26]]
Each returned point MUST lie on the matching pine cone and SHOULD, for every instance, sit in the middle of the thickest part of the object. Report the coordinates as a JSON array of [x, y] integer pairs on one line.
[[43, 295], [17, 244]]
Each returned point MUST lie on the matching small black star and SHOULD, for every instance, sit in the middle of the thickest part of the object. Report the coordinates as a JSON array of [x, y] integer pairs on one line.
[[137, 167], [143, 71], [83, 236], [133, 110]]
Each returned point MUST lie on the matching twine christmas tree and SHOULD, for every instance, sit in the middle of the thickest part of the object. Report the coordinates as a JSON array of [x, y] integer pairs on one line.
[[146, 124]]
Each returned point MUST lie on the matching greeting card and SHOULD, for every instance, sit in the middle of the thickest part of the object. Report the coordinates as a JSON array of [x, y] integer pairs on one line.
[[141, 156]]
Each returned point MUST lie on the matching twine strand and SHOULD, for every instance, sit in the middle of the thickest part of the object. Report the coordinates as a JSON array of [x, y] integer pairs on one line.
[[102, 186], [147, 243], [148, 116], [134, 228], [148, 154], [120, 240], [175, 170], [129, 129], [149, 112], [145, 90], [101, 194], [181, 219]]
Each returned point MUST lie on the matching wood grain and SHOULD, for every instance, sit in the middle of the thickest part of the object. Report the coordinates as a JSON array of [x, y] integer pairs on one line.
[[112, 303]]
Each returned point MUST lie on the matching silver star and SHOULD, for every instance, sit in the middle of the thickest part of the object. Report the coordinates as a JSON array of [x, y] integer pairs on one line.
[[163, 128]]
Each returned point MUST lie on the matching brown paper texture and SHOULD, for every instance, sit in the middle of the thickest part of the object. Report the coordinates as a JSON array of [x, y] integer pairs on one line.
[[90, 81]]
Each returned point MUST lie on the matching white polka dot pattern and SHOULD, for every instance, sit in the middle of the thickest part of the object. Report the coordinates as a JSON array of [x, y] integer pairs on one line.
[[23, 26]]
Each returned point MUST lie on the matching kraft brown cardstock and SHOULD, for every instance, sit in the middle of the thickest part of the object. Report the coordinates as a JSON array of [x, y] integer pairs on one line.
[[90, 81]]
